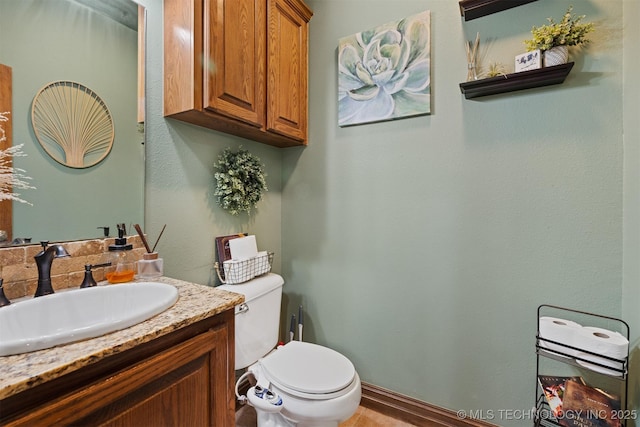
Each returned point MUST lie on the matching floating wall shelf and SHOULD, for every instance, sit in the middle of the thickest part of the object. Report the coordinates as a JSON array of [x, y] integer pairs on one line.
[[472, 9], [545, 76]]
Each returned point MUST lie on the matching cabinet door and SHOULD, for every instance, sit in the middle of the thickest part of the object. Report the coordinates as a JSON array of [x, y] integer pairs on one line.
[[193, 394], [235, 44], [190, 384], [182, 56], [287, 55]]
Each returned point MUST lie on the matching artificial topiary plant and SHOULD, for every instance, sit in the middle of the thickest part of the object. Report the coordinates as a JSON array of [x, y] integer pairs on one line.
[[240, 180], [570, 31]]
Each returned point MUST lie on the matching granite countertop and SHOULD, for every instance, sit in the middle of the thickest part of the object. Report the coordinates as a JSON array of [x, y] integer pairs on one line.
[[196, 302]]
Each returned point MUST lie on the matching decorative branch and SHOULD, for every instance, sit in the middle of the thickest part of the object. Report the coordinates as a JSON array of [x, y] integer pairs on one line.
[[10, 177], [472, 56]]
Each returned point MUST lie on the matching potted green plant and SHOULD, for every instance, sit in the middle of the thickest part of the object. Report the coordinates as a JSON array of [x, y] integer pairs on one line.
[[240, 180], [554, 38]]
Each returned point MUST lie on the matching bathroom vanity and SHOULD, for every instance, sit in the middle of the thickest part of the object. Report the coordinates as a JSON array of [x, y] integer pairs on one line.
[[176, 368]]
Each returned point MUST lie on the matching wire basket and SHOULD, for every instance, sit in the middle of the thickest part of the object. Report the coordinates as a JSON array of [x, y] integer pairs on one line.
[[236, 272]]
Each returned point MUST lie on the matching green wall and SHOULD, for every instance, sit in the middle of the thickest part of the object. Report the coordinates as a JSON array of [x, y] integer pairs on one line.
[[49, 40], [179, 183], [421, 248], [631, 185]]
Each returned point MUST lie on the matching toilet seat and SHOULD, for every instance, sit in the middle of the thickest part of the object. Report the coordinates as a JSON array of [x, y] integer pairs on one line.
[[309, 371]]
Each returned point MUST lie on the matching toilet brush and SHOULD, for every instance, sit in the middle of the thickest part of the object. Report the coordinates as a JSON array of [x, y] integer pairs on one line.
[[292, 328], [300, 323]]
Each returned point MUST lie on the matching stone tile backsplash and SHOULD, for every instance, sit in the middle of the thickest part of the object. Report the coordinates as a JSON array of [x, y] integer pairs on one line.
[[18, 268]]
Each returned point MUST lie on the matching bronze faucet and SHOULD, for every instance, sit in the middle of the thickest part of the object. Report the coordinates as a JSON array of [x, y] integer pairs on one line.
[[44, 259]]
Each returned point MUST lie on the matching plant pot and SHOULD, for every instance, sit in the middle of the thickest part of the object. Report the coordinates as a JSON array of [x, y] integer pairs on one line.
[[556, 55]]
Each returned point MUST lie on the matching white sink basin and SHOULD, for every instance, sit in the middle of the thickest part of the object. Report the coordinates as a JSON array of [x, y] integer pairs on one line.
[[65, 317]]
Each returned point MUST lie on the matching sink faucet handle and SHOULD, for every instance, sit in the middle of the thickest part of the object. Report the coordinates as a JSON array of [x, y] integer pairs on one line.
[[89, 281], [58, 250], [105, 230], [3, 299]]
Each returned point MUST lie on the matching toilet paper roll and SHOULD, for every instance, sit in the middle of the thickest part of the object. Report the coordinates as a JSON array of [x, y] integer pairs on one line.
[[236, 272], [560, 330], [603, 342], [262, 265], [243, 248]]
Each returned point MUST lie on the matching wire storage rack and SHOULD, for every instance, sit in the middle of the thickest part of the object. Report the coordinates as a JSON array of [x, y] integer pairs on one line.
[[567, 354], [233, 272]]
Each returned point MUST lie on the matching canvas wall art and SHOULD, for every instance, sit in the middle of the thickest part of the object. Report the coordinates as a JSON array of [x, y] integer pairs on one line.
[[384, 73]]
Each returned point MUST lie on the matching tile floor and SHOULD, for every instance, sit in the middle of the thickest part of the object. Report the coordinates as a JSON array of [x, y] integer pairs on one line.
[[364, 417]]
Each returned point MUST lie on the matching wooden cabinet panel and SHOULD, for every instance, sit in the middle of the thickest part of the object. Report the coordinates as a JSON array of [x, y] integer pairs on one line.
[[238, 66], [287, 59], [179, 399], [188, 383], [6, 105], [142, 22], [182, 58]]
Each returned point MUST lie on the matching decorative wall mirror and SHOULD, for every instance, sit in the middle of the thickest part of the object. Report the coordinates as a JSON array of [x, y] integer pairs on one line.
[[98, 44]]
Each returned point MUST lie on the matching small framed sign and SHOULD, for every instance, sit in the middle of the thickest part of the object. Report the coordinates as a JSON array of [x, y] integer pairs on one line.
[[529, 61]]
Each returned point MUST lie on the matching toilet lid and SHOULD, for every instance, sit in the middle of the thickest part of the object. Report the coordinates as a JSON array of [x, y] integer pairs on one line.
[[308, 368]]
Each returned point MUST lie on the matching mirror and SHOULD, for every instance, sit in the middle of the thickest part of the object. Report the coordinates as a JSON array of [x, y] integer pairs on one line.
[[94, 43]]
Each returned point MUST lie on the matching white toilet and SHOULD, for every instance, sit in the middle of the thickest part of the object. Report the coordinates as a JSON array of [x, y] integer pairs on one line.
[[298, 384]]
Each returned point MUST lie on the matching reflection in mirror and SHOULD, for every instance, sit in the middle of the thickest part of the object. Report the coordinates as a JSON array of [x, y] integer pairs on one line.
[[50, 40]]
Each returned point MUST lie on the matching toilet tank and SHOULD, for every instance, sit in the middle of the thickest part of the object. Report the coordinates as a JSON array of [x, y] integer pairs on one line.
[[257, 319]]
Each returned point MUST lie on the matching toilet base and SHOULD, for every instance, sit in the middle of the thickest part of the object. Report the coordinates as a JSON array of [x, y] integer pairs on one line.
[[266, 419]]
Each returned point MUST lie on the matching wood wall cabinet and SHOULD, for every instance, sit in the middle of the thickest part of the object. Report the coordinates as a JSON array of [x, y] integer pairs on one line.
[[184, 378], [238, 66]]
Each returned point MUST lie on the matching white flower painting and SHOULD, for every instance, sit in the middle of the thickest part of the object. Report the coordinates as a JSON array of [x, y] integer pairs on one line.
[[384, 73]]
